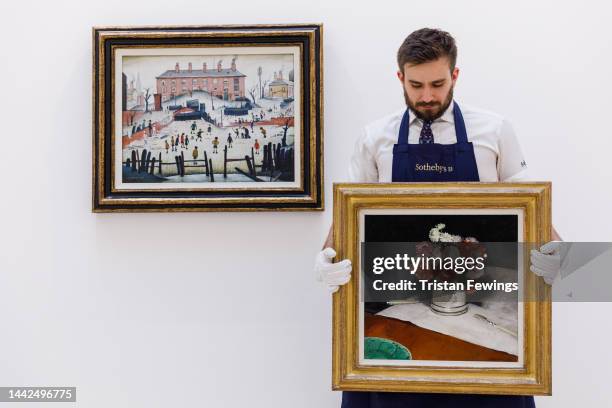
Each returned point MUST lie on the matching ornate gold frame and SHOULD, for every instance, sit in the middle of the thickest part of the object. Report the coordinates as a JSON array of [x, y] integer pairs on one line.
[[534, 378], [308, 197]]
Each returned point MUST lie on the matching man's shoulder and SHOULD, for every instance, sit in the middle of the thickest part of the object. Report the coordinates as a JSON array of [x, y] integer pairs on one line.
[[385, 125], [477, 115]]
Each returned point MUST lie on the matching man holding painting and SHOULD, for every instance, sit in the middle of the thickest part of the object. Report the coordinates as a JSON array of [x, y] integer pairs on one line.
[[469, 144]]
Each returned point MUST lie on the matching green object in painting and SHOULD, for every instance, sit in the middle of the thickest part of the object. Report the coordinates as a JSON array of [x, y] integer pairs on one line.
[[376, 348]]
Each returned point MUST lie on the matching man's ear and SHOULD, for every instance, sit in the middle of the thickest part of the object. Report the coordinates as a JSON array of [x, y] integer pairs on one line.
[[400, 76], [455, 75]]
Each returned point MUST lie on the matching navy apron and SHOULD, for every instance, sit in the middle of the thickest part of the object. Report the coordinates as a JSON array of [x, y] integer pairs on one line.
[[433, 162]]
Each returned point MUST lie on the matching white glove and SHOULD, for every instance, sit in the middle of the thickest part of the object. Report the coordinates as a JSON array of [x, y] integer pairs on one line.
[[548, 260], [332, 274]]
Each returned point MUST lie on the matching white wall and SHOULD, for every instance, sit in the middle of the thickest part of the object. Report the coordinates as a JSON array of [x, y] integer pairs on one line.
[[224, 311]]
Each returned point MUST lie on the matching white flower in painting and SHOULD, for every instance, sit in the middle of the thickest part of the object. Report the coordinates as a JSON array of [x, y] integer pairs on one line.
[[436, 235], [446, 237]]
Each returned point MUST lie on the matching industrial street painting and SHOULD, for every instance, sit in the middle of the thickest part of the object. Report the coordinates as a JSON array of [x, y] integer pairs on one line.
[[207, 118]]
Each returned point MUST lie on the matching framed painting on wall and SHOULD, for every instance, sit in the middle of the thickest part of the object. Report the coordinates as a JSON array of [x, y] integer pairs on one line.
[[442, 299], [215, 118]]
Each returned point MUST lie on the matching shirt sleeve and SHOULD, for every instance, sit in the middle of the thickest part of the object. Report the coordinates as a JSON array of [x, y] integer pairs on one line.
[[362, 167], [511, 164]]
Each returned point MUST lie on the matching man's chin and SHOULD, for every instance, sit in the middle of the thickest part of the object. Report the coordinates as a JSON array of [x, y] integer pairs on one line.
[[428, 114]]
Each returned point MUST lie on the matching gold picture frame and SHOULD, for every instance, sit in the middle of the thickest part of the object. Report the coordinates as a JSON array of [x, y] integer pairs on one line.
[[254, 80], [531, 377]]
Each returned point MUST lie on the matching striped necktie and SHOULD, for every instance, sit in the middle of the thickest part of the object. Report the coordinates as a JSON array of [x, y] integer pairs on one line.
[[426, 133]]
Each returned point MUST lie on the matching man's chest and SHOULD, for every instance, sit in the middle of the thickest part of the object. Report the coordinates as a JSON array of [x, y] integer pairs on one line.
[[485, 152]]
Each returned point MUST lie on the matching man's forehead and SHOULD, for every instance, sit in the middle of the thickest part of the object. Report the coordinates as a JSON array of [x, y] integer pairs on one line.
[[428, 71]]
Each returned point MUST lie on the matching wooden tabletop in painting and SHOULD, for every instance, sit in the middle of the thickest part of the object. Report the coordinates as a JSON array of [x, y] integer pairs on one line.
[[427, 344]]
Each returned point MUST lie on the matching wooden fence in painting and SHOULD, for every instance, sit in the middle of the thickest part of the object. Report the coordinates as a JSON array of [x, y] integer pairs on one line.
[[144, 163], [276, 161]]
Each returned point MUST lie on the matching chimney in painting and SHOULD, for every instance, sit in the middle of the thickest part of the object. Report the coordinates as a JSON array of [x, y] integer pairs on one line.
[[219, 65], [204, 67], [234, 64], [176, 68], [190, 67]]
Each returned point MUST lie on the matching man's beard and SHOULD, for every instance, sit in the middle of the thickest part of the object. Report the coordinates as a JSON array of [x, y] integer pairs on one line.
[[429, 114]]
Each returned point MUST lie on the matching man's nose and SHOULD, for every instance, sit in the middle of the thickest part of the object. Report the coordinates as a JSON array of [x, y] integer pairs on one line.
[[427, 96]]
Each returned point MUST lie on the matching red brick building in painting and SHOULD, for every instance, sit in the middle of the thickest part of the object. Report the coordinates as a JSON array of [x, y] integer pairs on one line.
[[226, 83]]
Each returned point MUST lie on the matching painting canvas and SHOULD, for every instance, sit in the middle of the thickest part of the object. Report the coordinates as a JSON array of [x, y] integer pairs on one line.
[[458, 326], [211, 115], [211, 118]]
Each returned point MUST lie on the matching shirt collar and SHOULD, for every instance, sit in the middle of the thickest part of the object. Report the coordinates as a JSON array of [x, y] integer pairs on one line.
[[447, 116]]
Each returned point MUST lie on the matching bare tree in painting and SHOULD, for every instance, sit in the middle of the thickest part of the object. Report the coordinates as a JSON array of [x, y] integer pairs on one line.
[[252, 92], [147, 98], [285, 128], [263, 88]]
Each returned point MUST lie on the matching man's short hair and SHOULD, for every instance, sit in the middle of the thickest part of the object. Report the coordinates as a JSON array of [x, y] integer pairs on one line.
[[425, 45]]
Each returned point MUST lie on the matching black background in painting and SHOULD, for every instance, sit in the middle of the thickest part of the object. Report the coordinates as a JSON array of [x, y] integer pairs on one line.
[[415, 228]]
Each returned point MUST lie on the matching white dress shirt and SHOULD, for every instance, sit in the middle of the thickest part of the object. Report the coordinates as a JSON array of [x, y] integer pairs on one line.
[[497, 151]]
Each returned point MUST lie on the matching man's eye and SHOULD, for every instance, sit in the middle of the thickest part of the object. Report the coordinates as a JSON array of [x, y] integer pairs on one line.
[[416, 85], [438, 85]]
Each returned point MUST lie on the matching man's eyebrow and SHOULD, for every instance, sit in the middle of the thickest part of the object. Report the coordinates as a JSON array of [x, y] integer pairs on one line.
[[412, 81]]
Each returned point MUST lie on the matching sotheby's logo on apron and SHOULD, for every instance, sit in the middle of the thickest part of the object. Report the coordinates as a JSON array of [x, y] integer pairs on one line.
[[436, 168]]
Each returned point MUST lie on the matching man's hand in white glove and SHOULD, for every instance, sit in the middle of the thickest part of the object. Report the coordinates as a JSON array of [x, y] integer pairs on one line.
[[332, 274], [548, 260]]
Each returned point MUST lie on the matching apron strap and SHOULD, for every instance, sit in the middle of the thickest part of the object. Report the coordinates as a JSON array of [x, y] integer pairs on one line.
[[460, 131], [403, 131]]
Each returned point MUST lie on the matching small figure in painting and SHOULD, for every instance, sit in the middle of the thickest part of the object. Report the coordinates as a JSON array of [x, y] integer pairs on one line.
[[195, 153], [215, 144], [229, 140], [256, 146], [263, 131], [167, 146]]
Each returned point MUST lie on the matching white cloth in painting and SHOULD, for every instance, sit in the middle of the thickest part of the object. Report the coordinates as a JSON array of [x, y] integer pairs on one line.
[[465, 327]]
